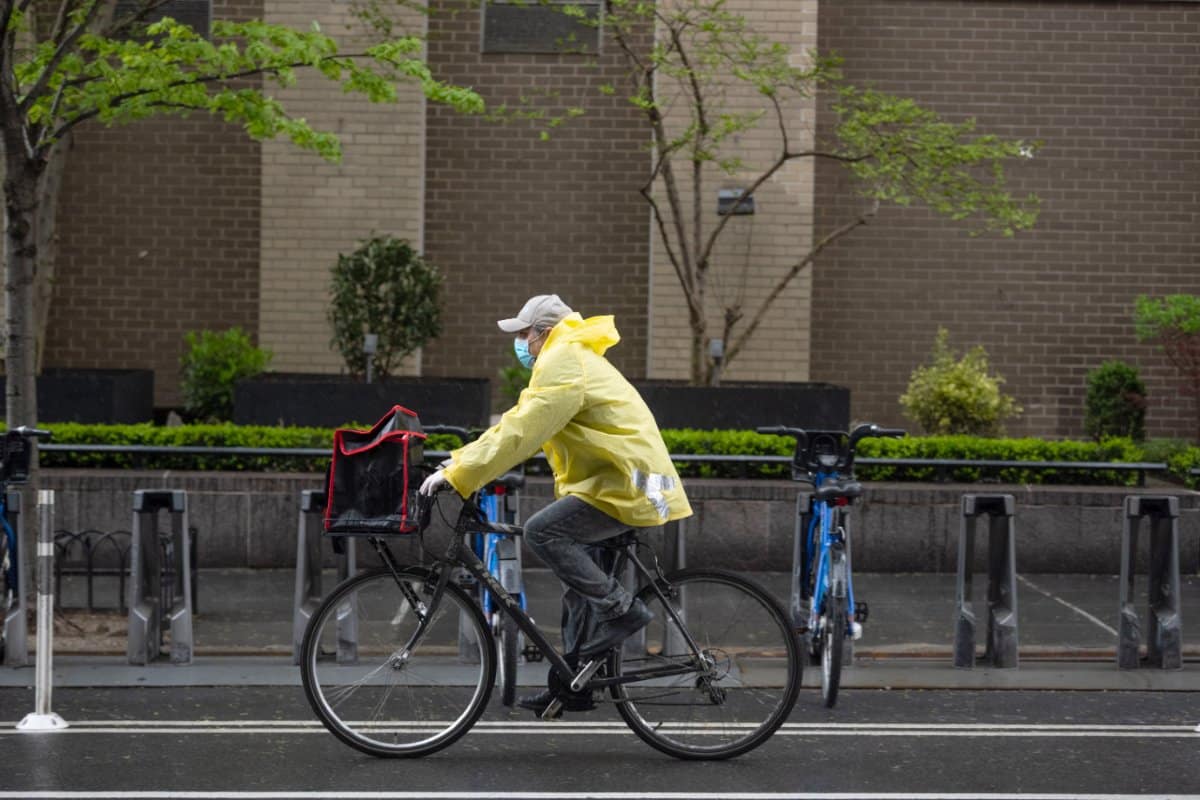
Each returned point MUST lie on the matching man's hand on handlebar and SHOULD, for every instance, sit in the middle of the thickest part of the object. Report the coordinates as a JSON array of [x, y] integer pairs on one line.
[[434, 484]]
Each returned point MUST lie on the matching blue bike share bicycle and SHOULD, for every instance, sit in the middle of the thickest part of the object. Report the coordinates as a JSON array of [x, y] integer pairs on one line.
[[825, 459], [501, 555], [15, 449]]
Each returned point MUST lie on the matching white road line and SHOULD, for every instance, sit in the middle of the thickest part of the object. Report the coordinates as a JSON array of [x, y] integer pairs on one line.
[[1071, 606], [537, 728], [477, 795]]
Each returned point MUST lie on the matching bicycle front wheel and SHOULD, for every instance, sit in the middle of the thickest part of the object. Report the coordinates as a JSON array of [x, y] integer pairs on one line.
[[509, 637], [383, 682], [833, 634], [745, 684]]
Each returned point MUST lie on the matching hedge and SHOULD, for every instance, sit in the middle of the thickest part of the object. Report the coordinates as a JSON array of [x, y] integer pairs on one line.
[[678, 442]]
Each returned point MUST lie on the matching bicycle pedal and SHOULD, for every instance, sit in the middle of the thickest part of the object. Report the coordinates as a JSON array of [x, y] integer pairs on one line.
[[554, 710], [861, 612]]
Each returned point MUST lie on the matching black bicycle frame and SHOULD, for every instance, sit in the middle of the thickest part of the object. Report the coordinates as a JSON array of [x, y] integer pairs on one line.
[[458, 554]]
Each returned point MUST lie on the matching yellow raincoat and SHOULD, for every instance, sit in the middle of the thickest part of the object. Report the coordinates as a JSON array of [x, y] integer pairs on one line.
[[600, 438]]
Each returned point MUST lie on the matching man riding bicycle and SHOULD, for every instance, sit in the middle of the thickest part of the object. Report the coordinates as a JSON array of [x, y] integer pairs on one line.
[[611, 470]]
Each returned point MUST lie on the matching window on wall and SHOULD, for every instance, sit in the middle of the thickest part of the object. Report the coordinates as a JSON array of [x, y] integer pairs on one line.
[[533, 26], [196, 14]]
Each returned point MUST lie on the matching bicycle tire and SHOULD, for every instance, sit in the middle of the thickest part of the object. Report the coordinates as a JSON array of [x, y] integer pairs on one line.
[[732, 619], [833, 634], [428, 696], [508, 640]]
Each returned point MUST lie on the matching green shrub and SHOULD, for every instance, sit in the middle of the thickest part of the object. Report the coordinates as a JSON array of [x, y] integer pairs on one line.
[[949, 396], [1116, 402], [993, 449], [678, 442], [1173, 322], [386, 288], [1182, 463], [211, 365], [514, 378]]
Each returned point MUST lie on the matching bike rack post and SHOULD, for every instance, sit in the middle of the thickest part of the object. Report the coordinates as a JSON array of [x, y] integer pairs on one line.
[[1001, 650], [1164, 639], [796, 605], [16, 626], [149, 589], [43, 719], [308, 593]]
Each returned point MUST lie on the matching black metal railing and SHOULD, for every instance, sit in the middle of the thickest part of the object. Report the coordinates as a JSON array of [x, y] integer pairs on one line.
[[701, 465]]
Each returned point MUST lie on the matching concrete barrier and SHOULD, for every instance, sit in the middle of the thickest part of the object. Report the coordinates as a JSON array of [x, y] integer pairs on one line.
[[248, 519]]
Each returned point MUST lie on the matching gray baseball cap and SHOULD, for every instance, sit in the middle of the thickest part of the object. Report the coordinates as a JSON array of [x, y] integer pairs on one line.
[[541, 311]]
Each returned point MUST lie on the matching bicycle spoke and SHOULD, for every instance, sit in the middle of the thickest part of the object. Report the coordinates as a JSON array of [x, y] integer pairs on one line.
[[396, 699], [712, 711]]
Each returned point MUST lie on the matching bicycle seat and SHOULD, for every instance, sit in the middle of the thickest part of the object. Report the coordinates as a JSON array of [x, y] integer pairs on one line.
[[830, 492], [509, 480]]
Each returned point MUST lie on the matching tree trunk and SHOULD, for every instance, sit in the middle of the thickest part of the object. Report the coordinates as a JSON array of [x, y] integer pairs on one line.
[[45, 229], [20, 262]]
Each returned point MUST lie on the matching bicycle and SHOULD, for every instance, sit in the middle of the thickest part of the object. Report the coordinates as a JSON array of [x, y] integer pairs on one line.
[[411, 691], [14, 468], [826, 460], [501, 554]]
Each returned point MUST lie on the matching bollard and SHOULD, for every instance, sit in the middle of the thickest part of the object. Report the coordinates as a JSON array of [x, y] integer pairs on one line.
[[16, 626], [675, 535], [308, 593], [1164, 640], [155, 603], [43, 719], [1001, 650]]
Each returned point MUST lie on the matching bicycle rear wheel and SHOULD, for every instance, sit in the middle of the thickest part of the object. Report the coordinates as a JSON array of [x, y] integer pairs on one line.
[[380, 688], [833, 634], [746, 688]]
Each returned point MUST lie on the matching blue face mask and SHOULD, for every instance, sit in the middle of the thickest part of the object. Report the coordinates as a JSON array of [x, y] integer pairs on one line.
[[521, 348]]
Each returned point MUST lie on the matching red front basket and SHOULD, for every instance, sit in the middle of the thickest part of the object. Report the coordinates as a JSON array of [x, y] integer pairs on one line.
[[374, 476]]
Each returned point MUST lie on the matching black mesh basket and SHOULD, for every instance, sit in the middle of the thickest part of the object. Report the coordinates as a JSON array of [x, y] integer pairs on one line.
[[374, 477]]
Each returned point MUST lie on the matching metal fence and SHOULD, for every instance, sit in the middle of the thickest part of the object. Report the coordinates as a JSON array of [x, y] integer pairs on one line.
[[939, 469]]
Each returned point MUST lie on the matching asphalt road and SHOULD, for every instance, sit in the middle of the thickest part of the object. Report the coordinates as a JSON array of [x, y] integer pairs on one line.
[[263, 742]]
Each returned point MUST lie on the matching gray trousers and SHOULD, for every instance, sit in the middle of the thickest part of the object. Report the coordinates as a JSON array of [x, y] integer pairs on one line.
[[560, 534]]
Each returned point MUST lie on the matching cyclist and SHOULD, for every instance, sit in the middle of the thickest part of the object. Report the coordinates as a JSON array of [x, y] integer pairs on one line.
[[611, 470]]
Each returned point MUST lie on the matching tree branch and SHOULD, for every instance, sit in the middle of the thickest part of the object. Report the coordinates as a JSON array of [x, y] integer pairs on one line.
[[60, 53], [792, 272], [85, 116], [118, 25]]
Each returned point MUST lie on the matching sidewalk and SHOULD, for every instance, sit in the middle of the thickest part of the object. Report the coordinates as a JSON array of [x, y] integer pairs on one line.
[[243, 634]]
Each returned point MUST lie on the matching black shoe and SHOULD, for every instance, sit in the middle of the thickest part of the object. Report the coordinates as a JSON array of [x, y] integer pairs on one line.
[[572, 701], [614, 631]]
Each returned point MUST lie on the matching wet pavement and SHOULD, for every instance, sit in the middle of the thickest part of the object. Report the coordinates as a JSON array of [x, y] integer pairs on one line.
[[243, 633]]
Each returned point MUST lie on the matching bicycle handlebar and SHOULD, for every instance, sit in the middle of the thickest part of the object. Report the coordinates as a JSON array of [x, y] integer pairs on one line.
[[804, 461]]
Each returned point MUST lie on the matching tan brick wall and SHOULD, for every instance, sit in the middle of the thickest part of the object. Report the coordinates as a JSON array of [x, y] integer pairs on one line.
[[1113, 95], [312, 210], [753, 250], [158, 235], [509, 216]]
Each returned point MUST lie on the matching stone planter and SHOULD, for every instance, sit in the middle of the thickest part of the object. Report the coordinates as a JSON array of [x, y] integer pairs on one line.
[[329, 401], [103, 396], [746, 406]]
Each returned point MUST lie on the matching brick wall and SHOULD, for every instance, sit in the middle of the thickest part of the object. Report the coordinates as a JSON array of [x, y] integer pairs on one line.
[[753, 252], [508, 216], [312, 210], [1113, 90], [158, 235]]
